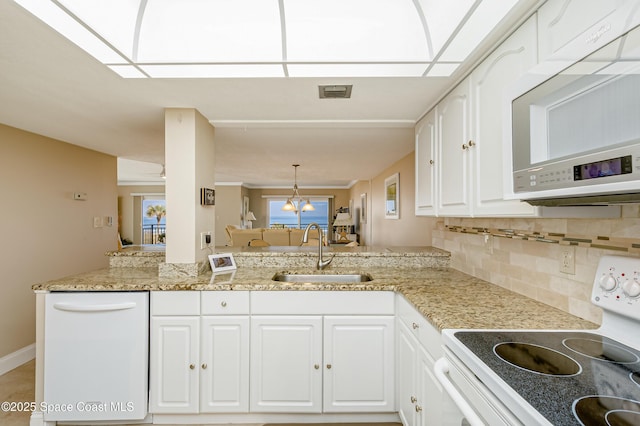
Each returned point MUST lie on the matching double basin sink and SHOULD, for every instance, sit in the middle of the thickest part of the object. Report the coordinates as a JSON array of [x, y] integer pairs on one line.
[[321, 278]]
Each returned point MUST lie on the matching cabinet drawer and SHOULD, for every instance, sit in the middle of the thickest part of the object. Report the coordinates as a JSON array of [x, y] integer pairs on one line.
[[175, 303], [322, 302], [224, 303], [428, 336]]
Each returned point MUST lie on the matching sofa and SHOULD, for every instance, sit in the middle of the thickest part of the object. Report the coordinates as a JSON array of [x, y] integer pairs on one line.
[[237, 237]]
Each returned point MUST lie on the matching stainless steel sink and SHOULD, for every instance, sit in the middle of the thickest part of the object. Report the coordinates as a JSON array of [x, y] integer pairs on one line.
[[321, 278]]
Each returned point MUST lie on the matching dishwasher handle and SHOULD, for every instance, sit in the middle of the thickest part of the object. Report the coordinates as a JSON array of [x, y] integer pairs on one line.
[[441, 369], [105, 307]]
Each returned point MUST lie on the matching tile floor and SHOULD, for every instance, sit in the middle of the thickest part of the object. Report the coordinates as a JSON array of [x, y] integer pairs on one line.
[[18, 386]]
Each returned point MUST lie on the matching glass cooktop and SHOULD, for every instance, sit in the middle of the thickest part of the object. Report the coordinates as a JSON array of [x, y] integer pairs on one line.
[[570, 378]]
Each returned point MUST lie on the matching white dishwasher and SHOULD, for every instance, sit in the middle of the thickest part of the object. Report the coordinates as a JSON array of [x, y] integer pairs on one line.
[[96, 356]]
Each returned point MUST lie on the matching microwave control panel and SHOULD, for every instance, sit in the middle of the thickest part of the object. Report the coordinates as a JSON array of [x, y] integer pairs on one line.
[[613, 166]]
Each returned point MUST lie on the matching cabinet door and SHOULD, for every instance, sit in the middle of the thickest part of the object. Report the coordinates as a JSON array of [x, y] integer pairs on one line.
[[407, 377], [504, 66], [358, 364], [174, 364], [453, 141], [560, 21], [286, 359], [425, 165], [224, 364], [429, 404]]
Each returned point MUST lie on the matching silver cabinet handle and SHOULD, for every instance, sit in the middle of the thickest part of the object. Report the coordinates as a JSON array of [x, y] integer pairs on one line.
[[316, 366], [431, 162], [414, 399], [471, 143], [418, 408], [415, 326], [204, 366], [465, 146], [328, 366], [192, 366], [223, 304]]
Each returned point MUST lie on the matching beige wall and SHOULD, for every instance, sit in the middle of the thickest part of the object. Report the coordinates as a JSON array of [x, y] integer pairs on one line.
[[409, 229], [130, 209], [532, 268], [228, 208], [46, 234]]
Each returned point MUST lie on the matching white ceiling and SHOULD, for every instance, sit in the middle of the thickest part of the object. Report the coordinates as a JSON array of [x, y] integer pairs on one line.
[[51, 87]]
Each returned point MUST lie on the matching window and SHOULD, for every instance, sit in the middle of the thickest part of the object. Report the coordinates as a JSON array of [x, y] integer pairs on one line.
[[279, 218]]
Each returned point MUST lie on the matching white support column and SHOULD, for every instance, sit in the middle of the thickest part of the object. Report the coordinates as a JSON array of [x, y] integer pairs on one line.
[[189, 166]]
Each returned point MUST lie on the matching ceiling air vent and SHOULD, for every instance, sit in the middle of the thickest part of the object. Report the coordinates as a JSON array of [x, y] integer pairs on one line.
[[335, 92]]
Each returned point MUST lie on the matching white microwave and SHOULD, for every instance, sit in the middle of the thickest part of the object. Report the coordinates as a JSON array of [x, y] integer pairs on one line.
[[575, 119]]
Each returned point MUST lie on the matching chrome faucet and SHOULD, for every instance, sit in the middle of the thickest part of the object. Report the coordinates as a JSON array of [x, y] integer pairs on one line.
[[305, 239]]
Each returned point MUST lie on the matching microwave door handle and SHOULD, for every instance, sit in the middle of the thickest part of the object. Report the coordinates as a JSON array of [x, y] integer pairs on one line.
[[72, 307], [441, 369]]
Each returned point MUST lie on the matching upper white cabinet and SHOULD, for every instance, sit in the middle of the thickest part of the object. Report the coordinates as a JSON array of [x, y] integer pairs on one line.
[[459, 144], [488, 83], [426, 138], [453, 130], [561, 21]]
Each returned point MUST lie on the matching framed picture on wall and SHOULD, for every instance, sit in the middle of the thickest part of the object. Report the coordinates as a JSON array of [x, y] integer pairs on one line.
[[392, 197], [207, 197], [245, 209]]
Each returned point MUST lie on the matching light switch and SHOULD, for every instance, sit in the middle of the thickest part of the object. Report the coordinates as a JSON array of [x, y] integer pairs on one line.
[[97, 222]]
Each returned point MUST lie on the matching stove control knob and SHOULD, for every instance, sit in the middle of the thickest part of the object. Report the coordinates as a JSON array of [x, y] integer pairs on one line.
[[608, 282], [631, 288]]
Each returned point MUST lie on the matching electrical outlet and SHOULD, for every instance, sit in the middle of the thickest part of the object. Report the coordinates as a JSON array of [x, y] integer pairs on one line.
[[487, 243], [205, 240], [568, 260]]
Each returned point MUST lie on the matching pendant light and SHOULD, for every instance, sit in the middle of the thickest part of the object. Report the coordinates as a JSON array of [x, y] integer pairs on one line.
[[290, 205]]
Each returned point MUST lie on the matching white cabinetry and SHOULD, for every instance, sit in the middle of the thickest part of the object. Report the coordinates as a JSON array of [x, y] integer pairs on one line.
[[419, 344], [561, 21], [286, 362], [464, 133], [426, 139], [358, 361], [199, 352], [323, 361], [453, 130], [511, 60]]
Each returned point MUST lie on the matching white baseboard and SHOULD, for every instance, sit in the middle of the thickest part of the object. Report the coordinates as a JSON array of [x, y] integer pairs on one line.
[[17, 358]]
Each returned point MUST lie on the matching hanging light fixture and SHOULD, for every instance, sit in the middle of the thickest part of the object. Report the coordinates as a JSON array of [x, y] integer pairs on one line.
[[290, 205]]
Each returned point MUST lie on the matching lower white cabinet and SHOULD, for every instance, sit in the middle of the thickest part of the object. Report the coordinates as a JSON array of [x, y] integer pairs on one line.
[[174, 365], [292, 370], [294, 352], [198, 364], [286, 359], [419, 393]]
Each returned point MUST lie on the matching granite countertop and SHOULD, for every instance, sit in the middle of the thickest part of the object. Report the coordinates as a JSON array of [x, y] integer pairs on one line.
[[446, 297]]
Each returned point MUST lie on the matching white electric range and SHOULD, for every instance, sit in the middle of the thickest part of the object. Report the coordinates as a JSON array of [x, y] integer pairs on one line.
[[539, 377]]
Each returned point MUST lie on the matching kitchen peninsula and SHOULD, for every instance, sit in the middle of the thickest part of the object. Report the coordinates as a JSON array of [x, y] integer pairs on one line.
[[412, 290]]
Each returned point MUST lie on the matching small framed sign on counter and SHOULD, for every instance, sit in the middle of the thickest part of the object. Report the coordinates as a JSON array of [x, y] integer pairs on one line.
[[222, 262]]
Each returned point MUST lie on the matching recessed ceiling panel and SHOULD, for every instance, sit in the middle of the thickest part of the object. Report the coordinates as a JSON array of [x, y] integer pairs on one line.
[[210, 31], [356, 30], [114, 20]]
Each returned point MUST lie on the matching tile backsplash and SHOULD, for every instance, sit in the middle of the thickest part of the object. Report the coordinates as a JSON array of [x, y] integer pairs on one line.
[[523, 255]]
